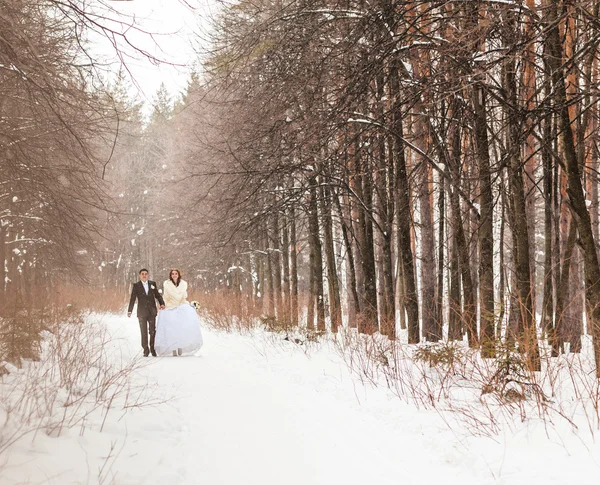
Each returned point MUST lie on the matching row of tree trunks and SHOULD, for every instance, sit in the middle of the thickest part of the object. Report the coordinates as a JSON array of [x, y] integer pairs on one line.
[[432, 183], [553, 49]]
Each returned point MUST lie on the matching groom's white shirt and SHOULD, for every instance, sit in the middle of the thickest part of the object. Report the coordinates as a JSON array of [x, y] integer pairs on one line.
[[145, 283]]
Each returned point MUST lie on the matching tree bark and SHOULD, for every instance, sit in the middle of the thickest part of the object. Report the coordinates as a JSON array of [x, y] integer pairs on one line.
[[317, 256], [527, 335], [439, 319], [285, 259], [276, 263], [469, 321], [403, 214], [486, 229], [293, 269], [350, 259], [269, 278], [335, 310], [557, 333], [548, 301], [368, 322]]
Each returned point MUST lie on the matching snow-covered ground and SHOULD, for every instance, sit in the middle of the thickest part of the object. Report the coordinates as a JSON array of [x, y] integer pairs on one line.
[[246, 411]]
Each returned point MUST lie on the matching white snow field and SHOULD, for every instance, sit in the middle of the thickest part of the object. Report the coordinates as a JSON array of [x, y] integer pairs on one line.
[[245, 411]]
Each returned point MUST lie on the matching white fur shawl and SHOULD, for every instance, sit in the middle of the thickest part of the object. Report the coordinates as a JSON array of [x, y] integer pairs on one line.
[[174, 295]]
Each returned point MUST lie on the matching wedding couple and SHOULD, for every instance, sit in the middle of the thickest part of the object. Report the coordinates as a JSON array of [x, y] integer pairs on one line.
[[177, 330]]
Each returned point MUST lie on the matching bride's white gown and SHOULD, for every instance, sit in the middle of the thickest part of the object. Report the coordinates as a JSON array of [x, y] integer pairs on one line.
[[178, 326]]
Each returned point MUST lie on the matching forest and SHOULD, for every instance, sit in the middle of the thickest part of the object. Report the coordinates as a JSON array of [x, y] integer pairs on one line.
[[425, 170]]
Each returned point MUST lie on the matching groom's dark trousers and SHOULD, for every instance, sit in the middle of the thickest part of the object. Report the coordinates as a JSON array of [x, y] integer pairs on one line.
[[146, 311]]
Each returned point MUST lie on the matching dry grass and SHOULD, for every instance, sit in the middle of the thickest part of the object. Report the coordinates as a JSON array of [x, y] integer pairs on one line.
[[85, 298], [225, 312]]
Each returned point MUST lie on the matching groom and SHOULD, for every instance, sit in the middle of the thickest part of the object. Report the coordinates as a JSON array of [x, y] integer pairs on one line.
[[145, 291]]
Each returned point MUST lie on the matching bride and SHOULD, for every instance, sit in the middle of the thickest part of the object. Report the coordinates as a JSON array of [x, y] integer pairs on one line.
[[178, 326]]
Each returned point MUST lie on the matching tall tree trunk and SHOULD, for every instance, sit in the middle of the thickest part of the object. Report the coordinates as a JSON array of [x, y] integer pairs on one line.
[[350, 259], [293, 269], [527, 327], [312, 289], [276, 263], [502, 278], [593, 150], [403, 220], [383, 188], [403, 214], [317, 253], [335, 310], [469, 313], [285, 259], [3, 261], [388, 317], [400, 292], [368, 323], [557, 333], [269, 278], [528, 103], [486, 228], [455, 315], [427, 243], [548, 302], [574, 328], [439, 318]]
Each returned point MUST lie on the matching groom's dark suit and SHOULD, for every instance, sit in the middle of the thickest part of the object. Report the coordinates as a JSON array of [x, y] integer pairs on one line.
[[146, 311]]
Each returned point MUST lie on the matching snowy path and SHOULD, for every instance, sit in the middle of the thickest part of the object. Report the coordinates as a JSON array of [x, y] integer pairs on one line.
[[247, 412], [242, 418]]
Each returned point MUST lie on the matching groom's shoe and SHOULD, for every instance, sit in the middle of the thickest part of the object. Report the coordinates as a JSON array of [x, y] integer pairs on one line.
[[146, 353], [153, 352]]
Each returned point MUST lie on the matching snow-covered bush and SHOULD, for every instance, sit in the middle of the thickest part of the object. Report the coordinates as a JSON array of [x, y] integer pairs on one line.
[[480, 396]]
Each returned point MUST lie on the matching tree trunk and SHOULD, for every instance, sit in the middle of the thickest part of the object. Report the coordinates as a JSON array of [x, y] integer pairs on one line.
[[557, 333], [3, 261], [502, 278], [269, 278], [312, 297], [439, 319], [527, 328], [317, 262], [293, 269], [388, 317], [455, 315], [368, 322], [350, 260], [574, 328], [403, 215], [276, 264], [486, 228], [428, 270], [335, 310], [548, 302], [285, 258], [469, 321]]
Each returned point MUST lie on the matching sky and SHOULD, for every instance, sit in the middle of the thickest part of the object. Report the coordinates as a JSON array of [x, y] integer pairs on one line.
[[174, 31]]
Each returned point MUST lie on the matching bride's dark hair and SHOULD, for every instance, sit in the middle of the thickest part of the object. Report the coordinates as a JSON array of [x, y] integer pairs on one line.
[[178, 277]]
